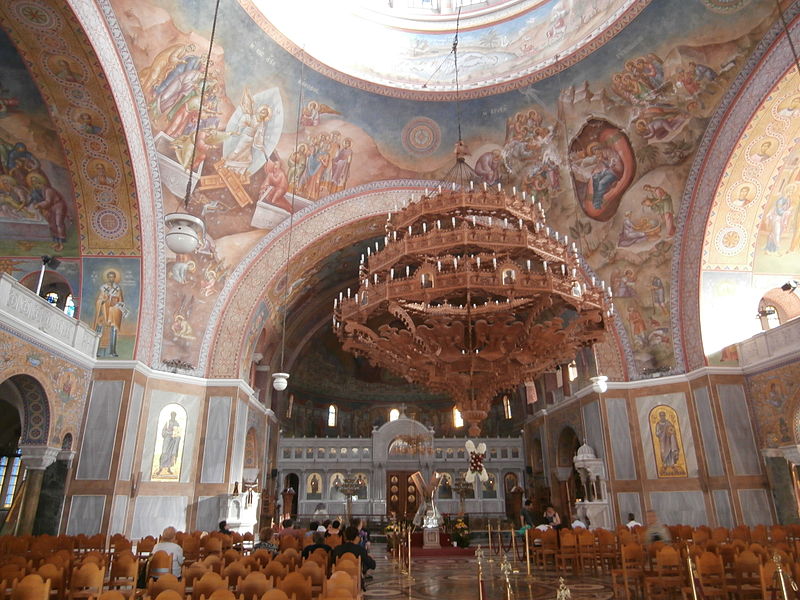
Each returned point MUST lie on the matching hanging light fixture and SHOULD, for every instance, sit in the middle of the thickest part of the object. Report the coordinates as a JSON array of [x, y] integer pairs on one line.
[[472, 293], [184, 230]]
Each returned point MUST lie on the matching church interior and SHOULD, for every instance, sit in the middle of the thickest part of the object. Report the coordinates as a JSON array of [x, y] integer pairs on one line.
[[496, 251]]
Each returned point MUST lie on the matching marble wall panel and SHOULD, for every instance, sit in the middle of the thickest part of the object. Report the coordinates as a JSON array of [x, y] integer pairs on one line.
[[630, 502], [684, 508], [594, 428], [722, 505], [158, 400], [86, 514], [97, 447], [215, 451], [620, 434], [131, 432], [237, 458], [119, 511], [708, 432], [152, 514], [677, 401], [207, 513], [755, 507], [741, 442]]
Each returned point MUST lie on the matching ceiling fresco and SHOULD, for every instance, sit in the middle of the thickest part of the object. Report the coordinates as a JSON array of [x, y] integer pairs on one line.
[[604, 138], [508, 47], [752, 240]]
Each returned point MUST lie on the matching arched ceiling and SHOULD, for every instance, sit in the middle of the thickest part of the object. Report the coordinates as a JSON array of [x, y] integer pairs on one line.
[[402, 48], [657, 83]]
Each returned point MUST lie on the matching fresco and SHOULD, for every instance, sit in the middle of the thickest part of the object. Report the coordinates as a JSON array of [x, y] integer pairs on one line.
[[606, 158], [169, 444], [667, 442], [752, 240], [37, 210], [110, 290]]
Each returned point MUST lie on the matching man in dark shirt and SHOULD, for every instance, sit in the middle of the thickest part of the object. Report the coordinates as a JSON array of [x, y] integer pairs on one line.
[[351, 544], [319, 542]]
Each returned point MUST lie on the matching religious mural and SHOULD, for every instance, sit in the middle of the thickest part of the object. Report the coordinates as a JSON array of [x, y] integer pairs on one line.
[[110, 293], [606, 159], [37, 210], [170, 434], [667, 442], [752, 241]]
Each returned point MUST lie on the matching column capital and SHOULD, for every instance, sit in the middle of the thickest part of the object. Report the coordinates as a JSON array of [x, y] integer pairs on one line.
[[38, 457]]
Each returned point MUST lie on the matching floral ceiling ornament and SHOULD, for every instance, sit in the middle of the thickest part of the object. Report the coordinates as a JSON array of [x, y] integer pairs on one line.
[[477, 454]]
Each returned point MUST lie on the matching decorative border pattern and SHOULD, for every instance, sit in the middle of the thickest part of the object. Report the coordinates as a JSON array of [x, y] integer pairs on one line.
[[771, 58]]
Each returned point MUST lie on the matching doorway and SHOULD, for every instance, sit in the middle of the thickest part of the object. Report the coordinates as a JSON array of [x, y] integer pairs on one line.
[[402, 494]]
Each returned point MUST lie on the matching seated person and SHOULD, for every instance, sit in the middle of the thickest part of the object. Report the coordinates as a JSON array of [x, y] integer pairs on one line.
[[223, 528], [319, 542], [168, 545], [352, 544], [268, 540], [333, 528], [289, 529]]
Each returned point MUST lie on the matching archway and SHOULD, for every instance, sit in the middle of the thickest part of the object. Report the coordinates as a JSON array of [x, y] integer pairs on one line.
[[569, 486], [28, 434]]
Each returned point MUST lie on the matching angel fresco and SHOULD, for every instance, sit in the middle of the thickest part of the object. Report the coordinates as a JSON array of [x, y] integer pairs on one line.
[[254, 130], [603, 166]]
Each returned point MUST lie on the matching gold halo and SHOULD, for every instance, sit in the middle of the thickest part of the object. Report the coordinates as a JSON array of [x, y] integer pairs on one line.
[[112, 270]]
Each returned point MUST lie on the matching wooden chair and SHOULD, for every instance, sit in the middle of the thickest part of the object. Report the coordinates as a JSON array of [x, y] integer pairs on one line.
[[548, 549], [338, 594], [334, 540], [212, 545], [349, 566], [86, 581], [220, 595], [145, 546], [208, 584], [315, 572], [192, 573], [167, 581], [568, 551], [630, 574], [288, 541], [711, 574], [263, 556], [275, 570], [720, 535], [254, 586], [342, 580], [191, 549], [159, 564], [57, 579], [746, 575], [588, 558], [230, 555], [296, 584], [234, 572], [167, 595], [31, 587], [251, 563], [111, 595], [213, 562], [275, 594], [607, 552], [667, 578], [123, 575]]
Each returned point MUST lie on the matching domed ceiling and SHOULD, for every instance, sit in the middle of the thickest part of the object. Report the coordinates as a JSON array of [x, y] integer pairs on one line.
[[406, 46]]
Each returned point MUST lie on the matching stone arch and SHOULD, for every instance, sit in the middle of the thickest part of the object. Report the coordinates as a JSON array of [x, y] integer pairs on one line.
[[568, 444], [769, 61], [786, 303], [28, 396]]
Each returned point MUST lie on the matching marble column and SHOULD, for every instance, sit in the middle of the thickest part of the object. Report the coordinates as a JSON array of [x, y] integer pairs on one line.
[[36, 459]]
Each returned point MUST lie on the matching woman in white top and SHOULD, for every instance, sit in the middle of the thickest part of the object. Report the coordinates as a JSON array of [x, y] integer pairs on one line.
[[168, 545]]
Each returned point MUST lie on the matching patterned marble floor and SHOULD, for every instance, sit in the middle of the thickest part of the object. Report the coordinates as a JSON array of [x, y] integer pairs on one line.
[[457, 579]]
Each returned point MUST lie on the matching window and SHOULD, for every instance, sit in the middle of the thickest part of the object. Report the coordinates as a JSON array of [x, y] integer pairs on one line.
[[506, 407], [332, 415], [9, 475], [573, 370], [457, 420], [394, 414]]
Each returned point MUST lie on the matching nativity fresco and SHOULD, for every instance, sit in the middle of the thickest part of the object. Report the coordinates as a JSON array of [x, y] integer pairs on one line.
[[606, 159]]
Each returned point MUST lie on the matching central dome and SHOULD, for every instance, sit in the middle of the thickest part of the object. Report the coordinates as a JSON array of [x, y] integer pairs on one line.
[[405, 50]]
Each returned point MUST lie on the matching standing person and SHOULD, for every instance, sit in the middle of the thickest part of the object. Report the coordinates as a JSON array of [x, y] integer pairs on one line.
[[52, 206], [109, 309], [168, 545], [526, 514]]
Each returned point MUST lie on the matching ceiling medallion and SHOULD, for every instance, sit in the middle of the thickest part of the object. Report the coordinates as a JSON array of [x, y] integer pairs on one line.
[[472, 294]]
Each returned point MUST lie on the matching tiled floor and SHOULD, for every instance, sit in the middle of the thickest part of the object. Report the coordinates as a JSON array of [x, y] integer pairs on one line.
[[457, 579]]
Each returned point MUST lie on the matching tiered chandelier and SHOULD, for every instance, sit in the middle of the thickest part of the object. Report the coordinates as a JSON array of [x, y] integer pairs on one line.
[[471, 294]]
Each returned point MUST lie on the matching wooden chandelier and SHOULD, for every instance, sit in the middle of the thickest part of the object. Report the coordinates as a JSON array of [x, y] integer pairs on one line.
[[471, 294]]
